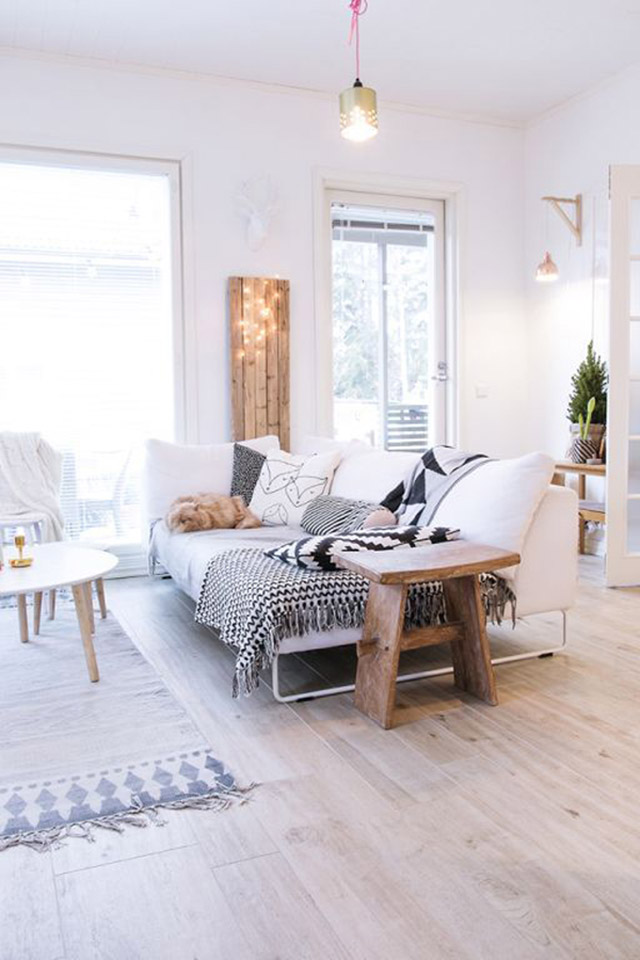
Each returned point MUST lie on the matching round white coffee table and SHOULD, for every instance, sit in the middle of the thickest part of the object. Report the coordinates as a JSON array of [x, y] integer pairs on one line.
[[60, 565]]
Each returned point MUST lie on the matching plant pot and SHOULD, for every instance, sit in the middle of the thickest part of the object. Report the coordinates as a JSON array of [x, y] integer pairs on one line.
[[582, 450], [596, 436]]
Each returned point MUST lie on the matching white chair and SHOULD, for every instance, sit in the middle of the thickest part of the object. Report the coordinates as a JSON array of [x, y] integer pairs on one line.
[[30, 479]]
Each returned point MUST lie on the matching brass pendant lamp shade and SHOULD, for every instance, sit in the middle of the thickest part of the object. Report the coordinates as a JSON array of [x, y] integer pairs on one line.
[[358, 113]]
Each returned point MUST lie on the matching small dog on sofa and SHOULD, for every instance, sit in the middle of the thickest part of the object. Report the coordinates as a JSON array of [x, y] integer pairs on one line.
[[209, 511]]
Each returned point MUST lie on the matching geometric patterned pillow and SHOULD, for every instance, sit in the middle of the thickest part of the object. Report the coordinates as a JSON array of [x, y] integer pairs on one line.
[[247, 464], [319, 553], [329, 514]]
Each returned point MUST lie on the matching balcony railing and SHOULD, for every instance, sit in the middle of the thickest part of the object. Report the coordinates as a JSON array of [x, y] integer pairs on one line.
[[407, 427]]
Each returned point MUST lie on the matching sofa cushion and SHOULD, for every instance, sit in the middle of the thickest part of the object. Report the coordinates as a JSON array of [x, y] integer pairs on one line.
[[496, 504], [186, 556], [340, 515], [370, 475], [174, 469], [319, 553], [311, 444], [288, 483], [247, 464]]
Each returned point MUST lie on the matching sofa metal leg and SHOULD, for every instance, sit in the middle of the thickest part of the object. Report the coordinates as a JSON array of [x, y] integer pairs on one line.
[[406, 677], [307, 694]]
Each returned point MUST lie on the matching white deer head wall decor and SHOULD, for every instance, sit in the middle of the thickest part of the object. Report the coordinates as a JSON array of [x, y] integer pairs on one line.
[[257, 202]]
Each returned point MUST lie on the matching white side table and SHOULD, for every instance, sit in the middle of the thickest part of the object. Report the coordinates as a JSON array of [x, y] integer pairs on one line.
[[61, 565]]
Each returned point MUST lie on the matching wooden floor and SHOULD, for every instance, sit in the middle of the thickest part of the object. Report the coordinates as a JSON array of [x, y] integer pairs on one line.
[[507, 833]]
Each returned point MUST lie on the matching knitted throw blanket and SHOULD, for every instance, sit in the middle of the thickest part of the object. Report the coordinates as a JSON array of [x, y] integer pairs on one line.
[[255, 602], [30, 475]]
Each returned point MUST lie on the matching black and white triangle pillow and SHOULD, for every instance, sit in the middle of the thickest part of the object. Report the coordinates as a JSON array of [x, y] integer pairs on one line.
[[319, 553]]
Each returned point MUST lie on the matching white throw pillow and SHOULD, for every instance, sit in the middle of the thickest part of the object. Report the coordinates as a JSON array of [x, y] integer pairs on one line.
[[495, 504], [371, 476], [287, 485], [173, 470]]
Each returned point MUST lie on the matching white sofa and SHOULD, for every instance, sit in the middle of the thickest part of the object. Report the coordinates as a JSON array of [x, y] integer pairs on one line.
[[544, 581]]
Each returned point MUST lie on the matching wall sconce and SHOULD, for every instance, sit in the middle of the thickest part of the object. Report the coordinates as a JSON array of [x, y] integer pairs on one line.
[[547, 271]]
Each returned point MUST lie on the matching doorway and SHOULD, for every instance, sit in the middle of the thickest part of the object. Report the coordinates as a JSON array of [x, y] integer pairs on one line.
[[390, 372]]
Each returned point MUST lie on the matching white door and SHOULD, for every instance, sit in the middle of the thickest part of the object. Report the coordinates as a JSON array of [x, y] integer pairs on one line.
[[390, 373], [623, 445]]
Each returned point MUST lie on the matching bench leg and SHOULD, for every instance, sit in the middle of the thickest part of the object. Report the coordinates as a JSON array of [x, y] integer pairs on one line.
[[472, 668], [379, 652]]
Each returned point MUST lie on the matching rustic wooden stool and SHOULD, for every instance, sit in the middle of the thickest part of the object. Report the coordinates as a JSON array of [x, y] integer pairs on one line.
[[391, 572]]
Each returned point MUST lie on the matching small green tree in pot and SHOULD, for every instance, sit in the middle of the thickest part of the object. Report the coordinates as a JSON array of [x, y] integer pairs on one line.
[[590, 381]]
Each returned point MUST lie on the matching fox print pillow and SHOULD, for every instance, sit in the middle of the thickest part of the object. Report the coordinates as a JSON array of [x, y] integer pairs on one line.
[[288, 484]]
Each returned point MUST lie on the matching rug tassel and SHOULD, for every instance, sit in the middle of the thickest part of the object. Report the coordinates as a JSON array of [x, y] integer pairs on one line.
[[43, 840]]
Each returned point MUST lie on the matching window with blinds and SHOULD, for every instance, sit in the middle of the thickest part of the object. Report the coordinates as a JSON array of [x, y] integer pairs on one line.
[[86, 356]]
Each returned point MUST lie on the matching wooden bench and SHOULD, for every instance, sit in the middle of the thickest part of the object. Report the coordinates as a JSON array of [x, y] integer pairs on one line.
[[457, 564]]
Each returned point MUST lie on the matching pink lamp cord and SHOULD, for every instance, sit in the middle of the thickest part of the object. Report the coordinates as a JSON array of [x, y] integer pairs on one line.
[[357, 7]]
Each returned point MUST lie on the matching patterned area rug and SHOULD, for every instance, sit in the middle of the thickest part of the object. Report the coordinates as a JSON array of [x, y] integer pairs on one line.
[[76, 755]]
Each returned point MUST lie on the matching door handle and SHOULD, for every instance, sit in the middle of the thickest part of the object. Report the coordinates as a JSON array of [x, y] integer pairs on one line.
[[443, 373]]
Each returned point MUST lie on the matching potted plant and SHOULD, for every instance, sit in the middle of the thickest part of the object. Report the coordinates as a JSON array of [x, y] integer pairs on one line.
[[589, 382]]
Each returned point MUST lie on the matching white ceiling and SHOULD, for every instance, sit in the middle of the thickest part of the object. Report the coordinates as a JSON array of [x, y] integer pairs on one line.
[[507, 59]]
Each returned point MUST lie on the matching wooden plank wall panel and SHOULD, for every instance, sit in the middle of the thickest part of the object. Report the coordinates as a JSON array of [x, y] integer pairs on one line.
[[273, 379], [259, 317], [282, 320], [237, 358]]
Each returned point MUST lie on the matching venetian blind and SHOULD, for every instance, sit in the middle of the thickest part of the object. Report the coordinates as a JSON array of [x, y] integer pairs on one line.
[[86, 353]]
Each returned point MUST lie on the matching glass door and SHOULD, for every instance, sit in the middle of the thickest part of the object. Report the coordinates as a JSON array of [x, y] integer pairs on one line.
[[389, 346], [623, 446]]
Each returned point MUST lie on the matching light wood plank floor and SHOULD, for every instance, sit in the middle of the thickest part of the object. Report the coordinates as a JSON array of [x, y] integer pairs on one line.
[[506, 833]]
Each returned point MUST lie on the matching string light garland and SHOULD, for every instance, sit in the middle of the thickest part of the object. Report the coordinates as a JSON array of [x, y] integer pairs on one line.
[[358, 104], [256, 334]]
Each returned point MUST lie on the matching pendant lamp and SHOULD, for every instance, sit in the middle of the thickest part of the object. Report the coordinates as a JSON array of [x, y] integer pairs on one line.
[[358, 104]]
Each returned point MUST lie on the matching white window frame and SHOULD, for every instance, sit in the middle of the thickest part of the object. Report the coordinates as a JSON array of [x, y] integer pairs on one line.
[[395, 192]]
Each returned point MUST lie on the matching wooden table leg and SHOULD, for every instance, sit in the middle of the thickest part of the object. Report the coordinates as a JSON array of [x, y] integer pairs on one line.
[[102, 600], [84, 622], [89, 595], [52, 604], [472, 668], [582, 526], [37, 612], [22, 618], [379, 652]]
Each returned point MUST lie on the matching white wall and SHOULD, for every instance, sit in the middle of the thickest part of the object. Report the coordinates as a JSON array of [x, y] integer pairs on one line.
[[224, 133], [569, 151]]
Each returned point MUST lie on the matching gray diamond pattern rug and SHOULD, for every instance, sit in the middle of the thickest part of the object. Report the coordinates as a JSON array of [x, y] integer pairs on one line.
[[75, 756]]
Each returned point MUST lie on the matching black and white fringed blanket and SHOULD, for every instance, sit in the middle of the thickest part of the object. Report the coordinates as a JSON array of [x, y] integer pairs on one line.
[[436, 473], [255, 602]]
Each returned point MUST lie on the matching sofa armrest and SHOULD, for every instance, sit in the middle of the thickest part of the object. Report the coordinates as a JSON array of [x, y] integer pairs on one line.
[[547, 577]]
